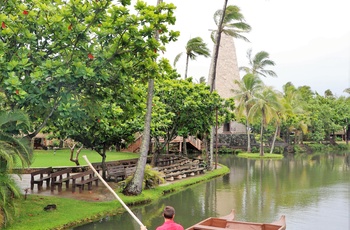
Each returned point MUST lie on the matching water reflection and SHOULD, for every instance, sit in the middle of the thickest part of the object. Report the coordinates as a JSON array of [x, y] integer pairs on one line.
[[313, 192]]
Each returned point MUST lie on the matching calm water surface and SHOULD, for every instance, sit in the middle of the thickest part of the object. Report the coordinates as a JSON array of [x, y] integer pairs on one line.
[[313, 193]]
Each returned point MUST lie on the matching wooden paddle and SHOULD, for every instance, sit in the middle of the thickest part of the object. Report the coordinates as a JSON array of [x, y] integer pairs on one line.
[[115, 194]]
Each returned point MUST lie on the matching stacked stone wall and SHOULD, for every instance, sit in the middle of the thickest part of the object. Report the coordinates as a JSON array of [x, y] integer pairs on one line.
[[235, 140]]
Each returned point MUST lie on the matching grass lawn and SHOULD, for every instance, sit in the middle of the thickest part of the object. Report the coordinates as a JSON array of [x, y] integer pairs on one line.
[[46, 158], [72, 212]]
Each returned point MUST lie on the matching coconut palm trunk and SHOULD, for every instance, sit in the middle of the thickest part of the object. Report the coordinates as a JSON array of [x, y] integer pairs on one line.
[[249, 145], [212, 77], [186, 69], [261, 134], [274, 139]]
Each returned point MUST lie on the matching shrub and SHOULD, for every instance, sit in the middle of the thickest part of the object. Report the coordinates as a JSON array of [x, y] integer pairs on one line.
[[225, 150], [152, 179]]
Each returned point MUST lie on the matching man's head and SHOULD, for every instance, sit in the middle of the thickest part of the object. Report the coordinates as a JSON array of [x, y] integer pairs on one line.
[[169, 212]]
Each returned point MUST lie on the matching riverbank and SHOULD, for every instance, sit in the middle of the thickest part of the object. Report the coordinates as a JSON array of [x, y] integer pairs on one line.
[[72, 212]]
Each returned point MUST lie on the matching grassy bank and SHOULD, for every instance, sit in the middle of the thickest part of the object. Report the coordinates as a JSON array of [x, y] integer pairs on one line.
[[72, 212], [257, 156]]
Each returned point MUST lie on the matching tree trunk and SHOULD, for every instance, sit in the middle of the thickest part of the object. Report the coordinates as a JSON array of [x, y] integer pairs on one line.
[[184, 146], [187, 59], [216, 138], [76, 159], [261, 137], [212, 77], [249, 146], [135, 185], [103, 162], [274, 139]]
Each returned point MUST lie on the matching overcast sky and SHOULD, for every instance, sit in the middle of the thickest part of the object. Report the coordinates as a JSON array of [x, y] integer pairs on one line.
[[309, 40]]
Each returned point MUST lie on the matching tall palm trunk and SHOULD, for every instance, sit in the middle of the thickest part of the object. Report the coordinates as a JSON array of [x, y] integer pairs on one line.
[[212, 78], [261, 135], [274, 139], [249, 146], [186, 70]]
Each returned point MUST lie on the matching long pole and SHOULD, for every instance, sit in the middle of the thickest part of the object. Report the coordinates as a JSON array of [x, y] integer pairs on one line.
[[112, 191]]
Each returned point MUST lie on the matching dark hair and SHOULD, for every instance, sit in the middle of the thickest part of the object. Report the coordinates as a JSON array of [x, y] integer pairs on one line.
[[169, 212]]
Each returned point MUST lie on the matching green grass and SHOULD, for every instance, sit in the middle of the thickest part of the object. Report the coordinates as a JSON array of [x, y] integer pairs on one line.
[[46, 158], [72, 212], [257, 155]]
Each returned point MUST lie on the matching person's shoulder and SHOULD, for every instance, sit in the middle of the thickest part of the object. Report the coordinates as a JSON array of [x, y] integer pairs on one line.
[[179, 227]]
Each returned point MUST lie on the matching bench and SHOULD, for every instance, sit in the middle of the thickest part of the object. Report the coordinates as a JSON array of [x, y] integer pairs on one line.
[[60, 177], [83, 178], [129, 171], [38, 177], [115, 172]]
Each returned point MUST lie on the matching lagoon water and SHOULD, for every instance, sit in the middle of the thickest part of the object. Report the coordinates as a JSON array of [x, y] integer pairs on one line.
[[313, 192]]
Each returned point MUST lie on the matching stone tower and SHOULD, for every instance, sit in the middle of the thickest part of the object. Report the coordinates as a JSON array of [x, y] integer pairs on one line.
[[226, 73]]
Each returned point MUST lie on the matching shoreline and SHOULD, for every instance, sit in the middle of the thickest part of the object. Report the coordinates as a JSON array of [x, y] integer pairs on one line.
[[73, 212]]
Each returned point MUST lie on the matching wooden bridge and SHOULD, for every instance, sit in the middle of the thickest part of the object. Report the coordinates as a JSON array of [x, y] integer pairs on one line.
[[192, 141]]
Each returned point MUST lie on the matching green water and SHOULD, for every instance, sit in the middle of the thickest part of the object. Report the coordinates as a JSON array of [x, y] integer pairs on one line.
[[313, 193]]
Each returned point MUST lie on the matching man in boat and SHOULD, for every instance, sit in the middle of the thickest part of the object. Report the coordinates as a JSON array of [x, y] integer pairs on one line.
[[169, 223]]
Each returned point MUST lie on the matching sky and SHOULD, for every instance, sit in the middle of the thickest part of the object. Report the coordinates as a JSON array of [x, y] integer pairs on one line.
[[309, 40]]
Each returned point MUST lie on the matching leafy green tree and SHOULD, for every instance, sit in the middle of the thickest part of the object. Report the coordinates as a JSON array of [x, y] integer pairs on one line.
[[265, 106], [247, 88], [181, 108], [100, 124], [15, 151], [135, 186], [194, 47], [52, 50], [343, 115], [59, 49], [258, 63]]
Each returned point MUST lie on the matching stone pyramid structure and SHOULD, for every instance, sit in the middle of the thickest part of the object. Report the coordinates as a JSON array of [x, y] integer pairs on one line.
[[227, 68], [226, 73]]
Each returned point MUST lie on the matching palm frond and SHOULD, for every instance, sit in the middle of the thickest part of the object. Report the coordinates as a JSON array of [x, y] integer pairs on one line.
[[177, 58]]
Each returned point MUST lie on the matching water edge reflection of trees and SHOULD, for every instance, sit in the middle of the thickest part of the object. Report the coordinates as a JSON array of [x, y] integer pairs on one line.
[[259, 190]]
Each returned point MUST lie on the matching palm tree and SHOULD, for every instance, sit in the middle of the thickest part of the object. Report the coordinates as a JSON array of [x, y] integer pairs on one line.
[[247, 88], [229, 21], [258, 63], [12, 149], [293, 109], [233, 24], [194, 47], [266, 106]]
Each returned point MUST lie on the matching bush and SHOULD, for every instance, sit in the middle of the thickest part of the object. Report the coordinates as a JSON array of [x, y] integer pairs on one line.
[[152, 179], [225, 150], [343, 147]]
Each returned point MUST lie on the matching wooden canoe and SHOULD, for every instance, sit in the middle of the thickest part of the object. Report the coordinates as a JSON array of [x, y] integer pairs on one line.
[[228, 222]]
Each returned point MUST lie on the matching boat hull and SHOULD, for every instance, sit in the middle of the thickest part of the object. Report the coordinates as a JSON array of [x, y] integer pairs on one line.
[[222, 223]]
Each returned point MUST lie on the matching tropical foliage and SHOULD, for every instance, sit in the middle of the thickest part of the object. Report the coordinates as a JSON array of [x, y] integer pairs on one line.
[[194, 47], [15, 151]]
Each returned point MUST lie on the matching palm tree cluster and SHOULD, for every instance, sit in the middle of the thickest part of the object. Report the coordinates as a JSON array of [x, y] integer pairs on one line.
[[298, 111]]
